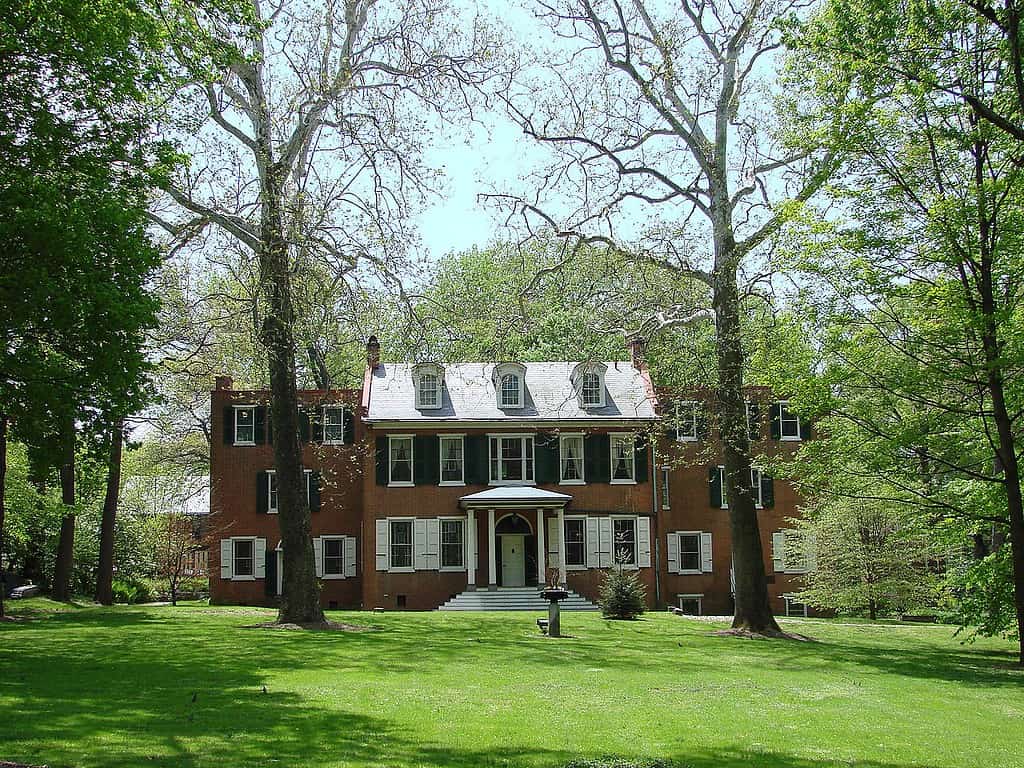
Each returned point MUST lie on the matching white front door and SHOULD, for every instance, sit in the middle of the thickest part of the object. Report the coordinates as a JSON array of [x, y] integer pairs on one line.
[[513, 561]]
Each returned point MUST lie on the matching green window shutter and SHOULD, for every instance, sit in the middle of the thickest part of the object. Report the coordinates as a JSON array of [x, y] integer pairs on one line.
[[303, 427], [805, 429], [597, 458], [350, 426], [545, 452], [641, 458], [426, 456], [669, 421], [229, 425], [314, 492], [382, 461], [262, 493], [475, 456], [260, 425], [316, 425], [767, 492], [776, 421], [715, 486], [703, 422], [754, 421]]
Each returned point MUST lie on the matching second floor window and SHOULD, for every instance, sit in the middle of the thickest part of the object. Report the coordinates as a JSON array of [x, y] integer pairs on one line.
[[451, 459], [511, 459], [272, 491], [400, 460], [666, 473], [789, 423], [334, 425], [686, 421], [571, 459], [623, 458], [245, 425]]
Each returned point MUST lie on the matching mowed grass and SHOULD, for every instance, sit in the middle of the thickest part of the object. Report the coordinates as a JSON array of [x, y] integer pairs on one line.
[[163, 686]]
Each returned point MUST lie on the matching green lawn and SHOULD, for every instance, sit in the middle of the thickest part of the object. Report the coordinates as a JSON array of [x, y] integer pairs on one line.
[[114, 687]]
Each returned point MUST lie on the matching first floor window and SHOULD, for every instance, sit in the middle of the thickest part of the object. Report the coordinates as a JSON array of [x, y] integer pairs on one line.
[[451, 459], [400, 460], [686, 421], [271, 492], [334, 556], [624, 533], [401, 543], [512, 459], [334, 425], [665, 474], [622, 457], [572, 459], [245, 424], [575, 542], [689, 552], [452, 545], [243, 557]]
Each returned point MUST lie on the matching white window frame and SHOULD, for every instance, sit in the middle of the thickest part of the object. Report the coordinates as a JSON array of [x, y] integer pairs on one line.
[[527, 463], [410, 521], [462, 460], [613, 438], [582, 480], [440, 544], [580, 566], [272, 492], [689, 571], [755, 485], [691, 436], [252, 409], [421, 402], [412, 447], [635, 565], [698, 596], [323, 557], [327, 423], [307, 476], [519, 390], [746, 410], [584, 402], [665, 486], [784, 408], [234, 573]]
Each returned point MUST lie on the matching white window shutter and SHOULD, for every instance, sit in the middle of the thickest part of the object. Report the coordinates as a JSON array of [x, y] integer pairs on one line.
[[643, 542], [383, 551], [350, 556], [605, 542], [259, 553], [225, 558], [433, 543], [553, 539], [318, 556], [705, 552], [419, 544], [593, 543], [779, 551], [673, 553]]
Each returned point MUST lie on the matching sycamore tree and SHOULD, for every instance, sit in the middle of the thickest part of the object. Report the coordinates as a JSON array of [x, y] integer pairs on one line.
[[305, 136], [668, 146]]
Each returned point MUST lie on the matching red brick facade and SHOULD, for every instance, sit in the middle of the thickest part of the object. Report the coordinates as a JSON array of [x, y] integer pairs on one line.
[[353, 499]]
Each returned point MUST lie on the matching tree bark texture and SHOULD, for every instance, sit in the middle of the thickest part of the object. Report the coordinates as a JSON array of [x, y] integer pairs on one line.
[[105, 571]]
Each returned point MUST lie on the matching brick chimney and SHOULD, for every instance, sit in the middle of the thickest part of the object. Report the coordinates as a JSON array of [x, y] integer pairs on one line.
[[223, 382], [638, 352], [372, 352]]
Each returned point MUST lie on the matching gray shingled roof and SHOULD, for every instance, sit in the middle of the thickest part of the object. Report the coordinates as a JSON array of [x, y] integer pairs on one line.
[[469, 395]]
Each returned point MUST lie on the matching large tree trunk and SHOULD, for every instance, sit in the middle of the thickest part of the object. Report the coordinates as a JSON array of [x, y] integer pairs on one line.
[[105, 574], [3, 492], [66, 545], [753, 612], [300, 593]]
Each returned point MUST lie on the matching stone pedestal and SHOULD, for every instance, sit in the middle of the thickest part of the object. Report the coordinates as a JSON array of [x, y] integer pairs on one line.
[[553, 596]]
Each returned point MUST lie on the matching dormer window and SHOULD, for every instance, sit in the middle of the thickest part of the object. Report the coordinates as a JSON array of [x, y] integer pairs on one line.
[[510, 385], [588, 383], [428, 379]]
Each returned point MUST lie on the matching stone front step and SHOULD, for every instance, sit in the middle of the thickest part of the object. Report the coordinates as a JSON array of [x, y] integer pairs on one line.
[[512, 599]]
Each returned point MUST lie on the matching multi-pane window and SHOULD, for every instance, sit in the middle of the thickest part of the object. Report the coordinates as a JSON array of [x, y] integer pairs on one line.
[[689, 552], [400, 460], [512, 459], [666, 473], [245, 424], [334, 425], [511, 391], [789, 423], [590, 390], [272, 492], [575, 542], [453, 548], [623, 458], [571, 459], [624, 538], [755, 486], [334, 556], [243, 557], [429, 392], [452, 461], [753, 420], [401, 543], [686, 421]]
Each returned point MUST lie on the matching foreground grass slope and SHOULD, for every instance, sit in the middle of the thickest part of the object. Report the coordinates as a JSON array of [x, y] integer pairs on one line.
[[115, 687]]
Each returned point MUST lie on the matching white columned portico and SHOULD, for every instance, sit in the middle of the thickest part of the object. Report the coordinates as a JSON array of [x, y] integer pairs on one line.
[[563, 577], [492, 560], [471, 549], [542, 571]]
